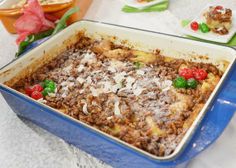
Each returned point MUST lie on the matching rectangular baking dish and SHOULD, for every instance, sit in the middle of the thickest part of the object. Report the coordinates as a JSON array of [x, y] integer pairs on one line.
[[105, 147]]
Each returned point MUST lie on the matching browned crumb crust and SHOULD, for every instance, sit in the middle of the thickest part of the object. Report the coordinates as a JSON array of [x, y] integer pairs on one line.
[[154, 120], [219, 20]]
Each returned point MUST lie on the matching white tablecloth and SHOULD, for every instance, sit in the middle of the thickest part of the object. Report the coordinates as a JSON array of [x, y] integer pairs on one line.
[[24, 145]]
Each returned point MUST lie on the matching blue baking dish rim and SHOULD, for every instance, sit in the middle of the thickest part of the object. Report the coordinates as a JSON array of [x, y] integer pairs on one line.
[[63, 117], [189, 152]]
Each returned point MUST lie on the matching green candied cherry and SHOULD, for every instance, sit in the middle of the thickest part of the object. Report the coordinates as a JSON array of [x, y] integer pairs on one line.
[[49, 87], [204, 28], [180, 82], [192, 83], [47, 90], [49, 83], [44, 83]]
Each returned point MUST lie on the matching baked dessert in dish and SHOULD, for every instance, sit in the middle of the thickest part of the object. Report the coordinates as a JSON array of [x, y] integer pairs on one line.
[[219, 19], [130, 94]]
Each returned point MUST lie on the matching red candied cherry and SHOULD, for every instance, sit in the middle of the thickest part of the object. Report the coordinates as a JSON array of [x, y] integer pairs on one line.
[[200, 74], [186, 73], [218, 7], [36, 95], [28, 90], [37, 87], [194, 26]]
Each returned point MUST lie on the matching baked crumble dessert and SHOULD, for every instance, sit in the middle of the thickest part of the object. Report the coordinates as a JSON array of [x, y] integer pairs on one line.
[[219, 19], [145, 99]]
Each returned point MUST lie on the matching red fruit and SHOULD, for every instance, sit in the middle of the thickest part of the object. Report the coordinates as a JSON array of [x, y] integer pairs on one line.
[[186, 73], [218, 7], [200, 74], [37, 87], [36, 95], [194, 26], [28, 90]]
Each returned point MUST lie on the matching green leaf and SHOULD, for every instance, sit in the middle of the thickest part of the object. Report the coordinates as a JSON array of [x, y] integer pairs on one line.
[[41, 35], [185, 22], [231, 43], [62, 22], [22, 47], [32, 38]]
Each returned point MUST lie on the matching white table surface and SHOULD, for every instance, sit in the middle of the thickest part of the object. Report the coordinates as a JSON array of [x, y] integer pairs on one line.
[[24, 145]]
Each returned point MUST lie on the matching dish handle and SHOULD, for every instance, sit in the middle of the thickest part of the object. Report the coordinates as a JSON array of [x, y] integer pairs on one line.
[[228, 94], [215, 121]]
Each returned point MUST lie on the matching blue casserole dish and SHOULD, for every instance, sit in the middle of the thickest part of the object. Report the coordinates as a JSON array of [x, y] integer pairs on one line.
[[91, 140]]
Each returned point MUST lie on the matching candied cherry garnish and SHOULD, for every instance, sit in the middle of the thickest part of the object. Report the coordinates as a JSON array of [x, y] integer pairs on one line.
[[186, 73], [37, 87], [36, 95], [192, 83], [194, 26], [218, 7], [200, 74], [28, 90], [204, 28], [180, 82]]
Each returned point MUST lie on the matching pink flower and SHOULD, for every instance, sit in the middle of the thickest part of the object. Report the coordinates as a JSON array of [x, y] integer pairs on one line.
[[32, 21]]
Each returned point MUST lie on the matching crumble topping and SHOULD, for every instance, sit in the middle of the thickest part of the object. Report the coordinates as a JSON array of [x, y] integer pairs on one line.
[[125, 93]]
